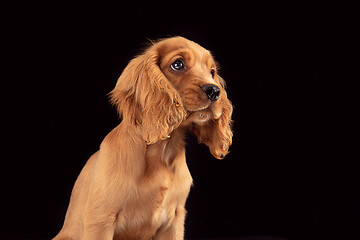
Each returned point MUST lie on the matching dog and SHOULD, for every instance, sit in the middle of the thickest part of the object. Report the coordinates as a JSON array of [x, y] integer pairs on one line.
[[136, 185]]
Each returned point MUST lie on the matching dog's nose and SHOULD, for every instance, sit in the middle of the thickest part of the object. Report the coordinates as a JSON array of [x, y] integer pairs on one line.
[[212, 92]]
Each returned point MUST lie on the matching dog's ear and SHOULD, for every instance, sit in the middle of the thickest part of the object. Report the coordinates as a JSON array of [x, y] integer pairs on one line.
[[144, 97], [217, 133]]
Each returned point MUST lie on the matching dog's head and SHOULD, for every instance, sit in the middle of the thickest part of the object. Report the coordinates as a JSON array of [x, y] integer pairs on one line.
[[175, 82]]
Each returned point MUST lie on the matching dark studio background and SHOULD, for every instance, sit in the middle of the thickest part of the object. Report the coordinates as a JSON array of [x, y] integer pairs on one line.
[[290, 174]]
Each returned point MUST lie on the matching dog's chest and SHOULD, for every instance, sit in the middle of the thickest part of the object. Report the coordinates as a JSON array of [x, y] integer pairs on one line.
[[162, 194], [170, 198]]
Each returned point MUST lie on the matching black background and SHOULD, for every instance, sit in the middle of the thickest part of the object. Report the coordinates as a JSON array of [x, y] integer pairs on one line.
[[291, 172]]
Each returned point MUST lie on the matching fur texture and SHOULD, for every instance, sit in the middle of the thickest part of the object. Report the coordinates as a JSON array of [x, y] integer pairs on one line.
[[136, 185]]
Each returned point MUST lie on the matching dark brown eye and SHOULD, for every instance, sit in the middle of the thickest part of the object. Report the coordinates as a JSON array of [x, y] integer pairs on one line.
[[178, 65], [212, 72]]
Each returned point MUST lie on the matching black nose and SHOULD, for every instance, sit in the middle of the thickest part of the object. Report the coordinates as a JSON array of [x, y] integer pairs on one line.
[[212, 92]]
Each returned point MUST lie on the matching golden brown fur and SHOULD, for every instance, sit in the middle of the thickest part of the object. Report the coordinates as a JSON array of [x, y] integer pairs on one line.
[[136, 185]]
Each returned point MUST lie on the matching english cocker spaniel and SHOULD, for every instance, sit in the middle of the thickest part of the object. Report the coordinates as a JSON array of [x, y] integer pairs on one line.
[[136, 185]]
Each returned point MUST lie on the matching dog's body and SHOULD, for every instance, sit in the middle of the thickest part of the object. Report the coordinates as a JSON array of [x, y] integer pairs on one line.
[[136, 185], [138, 207]]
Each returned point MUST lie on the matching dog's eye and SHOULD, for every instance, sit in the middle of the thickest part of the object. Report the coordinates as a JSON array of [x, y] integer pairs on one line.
[[178, 65], [212, 71]]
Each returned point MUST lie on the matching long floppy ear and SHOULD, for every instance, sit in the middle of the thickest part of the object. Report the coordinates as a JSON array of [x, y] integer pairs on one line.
[[217, 133], [144, 97]]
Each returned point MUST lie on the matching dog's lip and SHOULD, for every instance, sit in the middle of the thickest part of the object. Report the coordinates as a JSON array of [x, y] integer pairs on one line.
[[189, 113], [208, 109], [203, 109]]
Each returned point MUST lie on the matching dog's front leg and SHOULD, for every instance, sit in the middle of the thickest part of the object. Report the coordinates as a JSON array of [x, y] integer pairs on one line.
[[98, 225], [176, 230], [99, 215]]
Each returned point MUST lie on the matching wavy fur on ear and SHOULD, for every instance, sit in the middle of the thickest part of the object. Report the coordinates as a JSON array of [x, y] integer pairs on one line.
[[145, 97], [217, 133]]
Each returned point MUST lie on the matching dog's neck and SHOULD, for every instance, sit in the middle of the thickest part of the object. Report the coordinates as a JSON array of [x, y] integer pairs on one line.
[[166, 152]]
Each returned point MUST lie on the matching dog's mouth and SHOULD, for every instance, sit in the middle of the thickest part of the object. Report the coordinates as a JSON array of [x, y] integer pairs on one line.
[[201, 116], [202, 111], [204, 114]]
